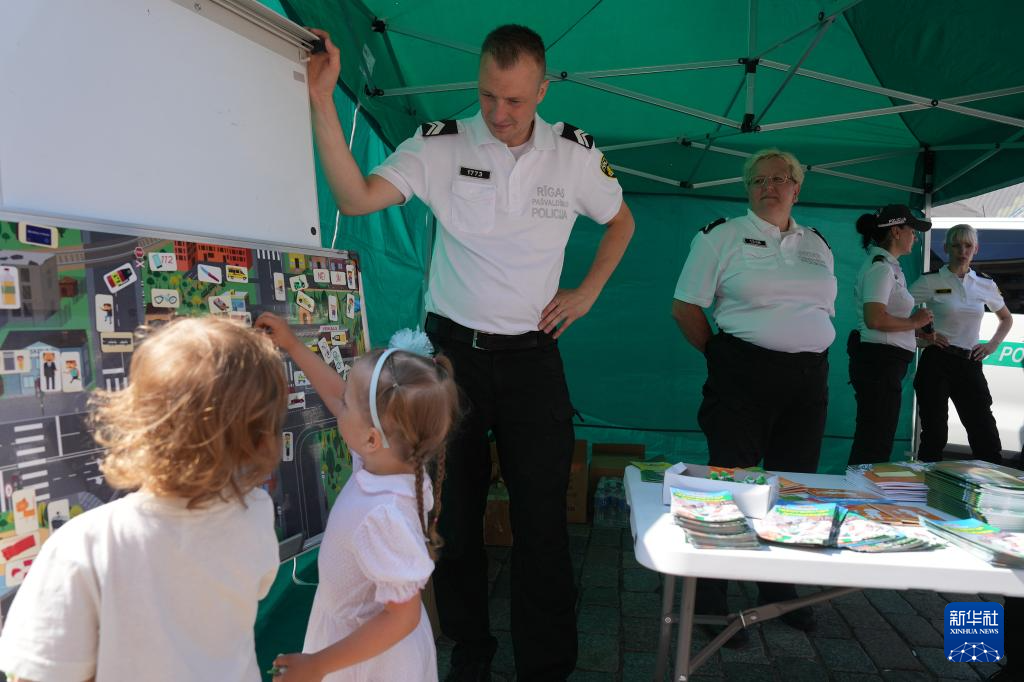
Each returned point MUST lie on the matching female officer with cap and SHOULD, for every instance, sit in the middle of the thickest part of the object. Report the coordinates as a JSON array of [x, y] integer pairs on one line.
[[950, 367], [883, 344]]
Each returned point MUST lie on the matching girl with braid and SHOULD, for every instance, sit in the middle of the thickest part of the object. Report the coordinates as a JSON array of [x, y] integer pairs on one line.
[[395, 413]]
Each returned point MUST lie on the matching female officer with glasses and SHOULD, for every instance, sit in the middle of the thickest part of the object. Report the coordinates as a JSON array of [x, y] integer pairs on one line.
[[882, 345], [950, 367], [770, 285]]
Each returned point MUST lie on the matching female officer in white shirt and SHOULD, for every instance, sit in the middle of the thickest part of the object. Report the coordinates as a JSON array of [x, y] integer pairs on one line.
[[883, 344], [950, 368]]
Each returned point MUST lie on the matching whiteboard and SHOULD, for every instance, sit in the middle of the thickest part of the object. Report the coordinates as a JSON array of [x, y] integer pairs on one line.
[[180, 116]]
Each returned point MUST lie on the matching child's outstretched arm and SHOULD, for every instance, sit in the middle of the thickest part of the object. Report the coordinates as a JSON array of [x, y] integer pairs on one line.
[[327, 382], [372, 638]]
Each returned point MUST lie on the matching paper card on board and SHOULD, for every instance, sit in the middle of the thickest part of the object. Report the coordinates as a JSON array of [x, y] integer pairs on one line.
[[299, 378], [298, 282], [236, 274], [325, 350], [50, 374], [297, 400], [71, 378], [332, 307], [15, 571], [339, 362], [244, 317], [38, 235], [23, 506], [117, 342], [287, 446], [305, 301], [104, 312], [280, 293], [58, 512], [350, 275], [120, 277], [164, 298], [219, 305], [350, 305], [10, 288], [162, 262], [20, 546], [321, 276], [338, 278], [211, 274]]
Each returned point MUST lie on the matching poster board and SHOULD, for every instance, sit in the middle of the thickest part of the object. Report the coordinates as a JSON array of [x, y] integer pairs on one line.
[[70, 300], [164, 115]]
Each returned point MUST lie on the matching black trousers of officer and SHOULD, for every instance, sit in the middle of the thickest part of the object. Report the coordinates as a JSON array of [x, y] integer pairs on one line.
[[945, 374], [760, 403], [876, 372], [521, 395]]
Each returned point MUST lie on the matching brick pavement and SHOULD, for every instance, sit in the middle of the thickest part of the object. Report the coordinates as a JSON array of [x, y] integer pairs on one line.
[[869, 635]]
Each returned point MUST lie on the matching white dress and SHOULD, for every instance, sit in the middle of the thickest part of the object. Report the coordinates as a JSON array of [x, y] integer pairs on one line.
[[373, 552]]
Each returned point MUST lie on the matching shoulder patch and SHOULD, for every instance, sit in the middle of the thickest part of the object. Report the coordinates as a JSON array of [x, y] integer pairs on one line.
[[712, 225], [982, 275], [581, 138], [878, 259], [435, 128], [821, 237]]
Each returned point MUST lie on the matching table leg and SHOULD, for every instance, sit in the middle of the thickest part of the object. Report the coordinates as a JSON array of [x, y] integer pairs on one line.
[[668, 593], [686, 607]]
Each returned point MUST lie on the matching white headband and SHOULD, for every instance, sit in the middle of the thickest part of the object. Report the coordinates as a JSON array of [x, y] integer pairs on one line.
[[373, 392]]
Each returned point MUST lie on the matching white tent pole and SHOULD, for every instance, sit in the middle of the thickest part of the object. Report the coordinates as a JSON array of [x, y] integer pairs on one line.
[[716, 183], [658, 68], [835, 118], [821, 17], [926, 258], [655, 101], [649, 176], [867, 159], [986, 95], [977, 147], [751, 63], [869, 181], [711, 136], [822, 30], [461, 47], [637, 145]]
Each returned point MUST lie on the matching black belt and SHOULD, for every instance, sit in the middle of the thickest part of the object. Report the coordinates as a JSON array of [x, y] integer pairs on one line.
[[448, 329], [956, 350]]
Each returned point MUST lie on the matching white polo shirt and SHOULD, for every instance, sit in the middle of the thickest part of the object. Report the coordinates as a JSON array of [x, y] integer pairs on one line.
[[771, 288], [505, 222], [958, 304], [881, 280]]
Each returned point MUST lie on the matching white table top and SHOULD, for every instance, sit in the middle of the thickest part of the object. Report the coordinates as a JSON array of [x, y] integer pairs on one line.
[[661, 545]]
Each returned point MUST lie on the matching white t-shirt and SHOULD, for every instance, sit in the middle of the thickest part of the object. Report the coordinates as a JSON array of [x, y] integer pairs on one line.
[[373, 552], [771, 288], [881, 280], [144, 589], [505, 221], [958, 304]]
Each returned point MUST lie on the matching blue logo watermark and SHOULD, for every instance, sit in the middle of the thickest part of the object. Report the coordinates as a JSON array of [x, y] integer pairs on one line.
[[974, 631]]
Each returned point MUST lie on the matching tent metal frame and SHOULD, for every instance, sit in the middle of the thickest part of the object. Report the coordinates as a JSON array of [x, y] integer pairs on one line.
[[754, 122]]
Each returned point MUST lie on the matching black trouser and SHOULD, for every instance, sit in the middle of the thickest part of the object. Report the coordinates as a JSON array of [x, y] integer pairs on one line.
[[760, 403], [520, 395], [876, 372], [943, 375]]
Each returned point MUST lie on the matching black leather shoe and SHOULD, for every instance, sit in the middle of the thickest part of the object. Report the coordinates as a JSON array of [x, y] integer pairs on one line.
[[801, 619], [472, 663]]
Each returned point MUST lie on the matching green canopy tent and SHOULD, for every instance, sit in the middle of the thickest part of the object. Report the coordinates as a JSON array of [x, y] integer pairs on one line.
[[913, 102]]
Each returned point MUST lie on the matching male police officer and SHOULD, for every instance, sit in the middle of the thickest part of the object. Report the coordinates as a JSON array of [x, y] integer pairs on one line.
[[506, 188]]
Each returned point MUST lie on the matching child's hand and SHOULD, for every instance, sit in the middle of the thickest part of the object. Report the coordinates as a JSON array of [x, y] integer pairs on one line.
[[280, 333], [297, 668]]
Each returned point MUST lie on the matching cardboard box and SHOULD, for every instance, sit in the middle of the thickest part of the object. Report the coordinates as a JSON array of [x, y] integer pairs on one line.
[[577, 495], [609, 460], [753, 500], [497, 522]]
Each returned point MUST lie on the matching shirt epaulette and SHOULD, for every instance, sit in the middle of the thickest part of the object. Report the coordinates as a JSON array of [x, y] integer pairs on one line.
[[821, 237], [712, 225], [571, 132], [435, 128], [878, 259], [983, 275]]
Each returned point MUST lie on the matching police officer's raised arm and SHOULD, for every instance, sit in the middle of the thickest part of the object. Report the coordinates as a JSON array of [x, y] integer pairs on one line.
[[354, 193]]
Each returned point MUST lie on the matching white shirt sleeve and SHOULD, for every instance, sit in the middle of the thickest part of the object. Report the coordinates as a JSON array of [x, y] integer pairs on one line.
[[921, 290], [406, 168], [52, 630], [598, 195], [993, 298], [878, 283], [392, 554], [698, 282]]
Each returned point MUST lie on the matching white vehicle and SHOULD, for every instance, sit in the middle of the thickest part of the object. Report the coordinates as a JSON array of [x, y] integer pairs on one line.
[[1002, 257]]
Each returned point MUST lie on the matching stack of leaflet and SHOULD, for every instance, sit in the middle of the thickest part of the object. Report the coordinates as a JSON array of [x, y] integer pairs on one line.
[[896, 481], [712, 520], [980, 490], [815, 525], [995, 546], [864, 535]]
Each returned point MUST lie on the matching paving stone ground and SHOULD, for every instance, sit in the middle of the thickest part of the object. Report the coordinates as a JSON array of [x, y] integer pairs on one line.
[[869, 635]]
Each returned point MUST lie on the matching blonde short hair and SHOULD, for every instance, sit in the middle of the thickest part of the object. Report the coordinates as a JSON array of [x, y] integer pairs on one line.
[[796, 171], [202, 416], [961, 230]]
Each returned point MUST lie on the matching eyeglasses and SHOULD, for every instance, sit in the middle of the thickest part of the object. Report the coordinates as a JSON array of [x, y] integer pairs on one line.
[[769, 180]]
